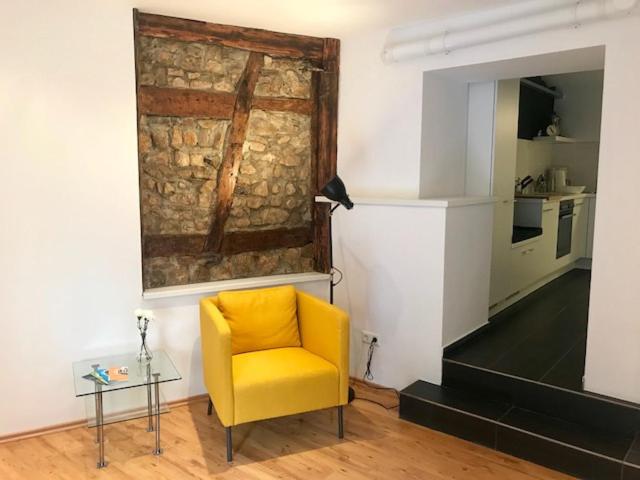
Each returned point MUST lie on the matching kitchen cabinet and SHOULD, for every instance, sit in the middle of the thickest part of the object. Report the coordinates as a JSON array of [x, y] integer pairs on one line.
[[591, 217], [579, 229], [549, 239], [525, 265], [501, 246], [502, 186]]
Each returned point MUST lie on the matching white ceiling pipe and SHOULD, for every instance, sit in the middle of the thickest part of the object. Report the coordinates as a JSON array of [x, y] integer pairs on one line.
[[475, 19], [574, 14]]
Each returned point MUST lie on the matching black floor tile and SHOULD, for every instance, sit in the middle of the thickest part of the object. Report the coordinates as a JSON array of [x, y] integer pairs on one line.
[[633, 456], [557, 456], [604, 443], [598, 411], [568, 372], [630, 472], [534, 356], [468, 401], [533, 336], [453, 422]]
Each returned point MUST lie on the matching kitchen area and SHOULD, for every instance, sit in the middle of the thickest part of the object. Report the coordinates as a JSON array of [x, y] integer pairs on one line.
[[542, 165], [550, 209]]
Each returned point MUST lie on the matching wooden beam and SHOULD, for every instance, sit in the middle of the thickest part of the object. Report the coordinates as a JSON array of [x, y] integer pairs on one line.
[[281, 104], [258, 240], [233, 243], [328, 112], [325, 135], [228, 172], [252, 39], [181, 102]]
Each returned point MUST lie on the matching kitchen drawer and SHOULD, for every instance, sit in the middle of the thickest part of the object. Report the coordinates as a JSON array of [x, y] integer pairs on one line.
[[526, 265]]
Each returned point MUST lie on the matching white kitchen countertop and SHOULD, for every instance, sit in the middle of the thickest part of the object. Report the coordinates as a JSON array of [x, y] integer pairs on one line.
[[554, 197]]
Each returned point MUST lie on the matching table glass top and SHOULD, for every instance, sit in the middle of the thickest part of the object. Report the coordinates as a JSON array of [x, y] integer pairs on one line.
[[140, 374]]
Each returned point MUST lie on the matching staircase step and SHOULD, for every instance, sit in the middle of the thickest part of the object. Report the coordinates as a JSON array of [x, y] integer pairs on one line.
[[578, 407], [577, 449], [452, 411], [568, 447]]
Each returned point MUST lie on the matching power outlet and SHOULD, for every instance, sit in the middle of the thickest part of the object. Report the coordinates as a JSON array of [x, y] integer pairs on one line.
[[367, 337]]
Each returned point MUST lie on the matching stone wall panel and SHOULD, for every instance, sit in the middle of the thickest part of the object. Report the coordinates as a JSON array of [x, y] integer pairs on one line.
[[180, 158]]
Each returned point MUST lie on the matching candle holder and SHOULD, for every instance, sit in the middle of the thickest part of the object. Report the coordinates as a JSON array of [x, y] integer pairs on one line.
[[144, 317]]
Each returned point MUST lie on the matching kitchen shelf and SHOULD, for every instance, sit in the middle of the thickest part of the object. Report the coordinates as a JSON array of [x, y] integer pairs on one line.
[[561, 139]]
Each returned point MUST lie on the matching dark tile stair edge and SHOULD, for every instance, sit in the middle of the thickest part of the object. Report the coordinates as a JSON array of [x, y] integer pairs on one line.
[[544, 389], [584, 394], [498, 423]]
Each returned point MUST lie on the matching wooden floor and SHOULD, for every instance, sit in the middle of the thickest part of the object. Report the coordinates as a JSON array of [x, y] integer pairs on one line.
[[377, 445]]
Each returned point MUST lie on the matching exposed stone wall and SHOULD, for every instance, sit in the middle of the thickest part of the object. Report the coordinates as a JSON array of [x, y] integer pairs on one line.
[[164, 271], [171, 63], [274, 181], [180, 158], [281, 77]]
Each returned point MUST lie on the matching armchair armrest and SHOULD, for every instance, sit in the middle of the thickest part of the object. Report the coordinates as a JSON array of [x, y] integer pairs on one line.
[[324, 330], [215, 337]]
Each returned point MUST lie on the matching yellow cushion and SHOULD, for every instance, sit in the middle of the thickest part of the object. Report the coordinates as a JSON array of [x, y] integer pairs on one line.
[[283, 381], [261, 319]]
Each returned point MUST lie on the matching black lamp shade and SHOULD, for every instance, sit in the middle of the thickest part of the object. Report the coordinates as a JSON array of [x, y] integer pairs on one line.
[[336, 191]]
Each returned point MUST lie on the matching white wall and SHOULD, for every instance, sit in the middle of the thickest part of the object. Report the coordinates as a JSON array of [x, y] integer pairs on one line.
[[393, 260], [533, 158], [70, 273], [582, 161], [480, 138], [444, 137], [614, 329], [467, 267], [70, 182]]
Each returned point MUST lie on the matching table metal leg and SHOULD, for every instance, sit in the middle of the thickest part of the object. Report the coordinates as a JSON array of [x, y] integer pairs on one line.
[[100, 427], [97, 410], [149, 404], [156, 377]]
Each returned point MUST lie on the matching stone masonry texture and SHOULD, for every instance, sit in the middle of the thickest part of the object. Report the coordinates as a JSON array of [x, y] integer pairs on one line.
[[179, 159]]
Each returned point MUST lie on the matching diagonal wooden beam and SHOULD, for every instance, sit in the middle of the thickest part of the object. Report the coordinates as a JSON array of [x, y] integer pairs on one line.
[[228, 172]]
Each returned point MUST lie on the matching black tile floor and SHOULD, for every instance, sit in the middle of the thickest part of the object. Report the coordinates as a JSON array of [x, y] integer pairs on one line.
[[542, 337]]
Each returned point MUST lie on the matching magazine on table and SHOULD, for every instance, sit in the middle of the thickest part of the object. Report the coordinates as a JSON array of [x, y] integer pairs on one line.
[[105, 376]]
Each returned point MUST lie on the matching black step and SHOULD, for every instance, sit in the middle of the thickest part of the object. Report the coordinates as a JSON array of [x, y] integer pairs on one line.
[[578, 407], [452, 411], [577, 449]]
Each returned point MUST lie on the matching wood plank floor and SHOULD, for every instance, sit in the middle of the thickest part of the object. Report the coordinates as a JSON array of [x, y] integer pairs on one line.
[[377, 445]]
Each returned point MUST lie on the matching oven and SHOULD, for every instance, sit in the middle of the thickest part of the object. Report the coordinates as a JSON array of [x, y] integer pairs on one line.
[[565, 225]]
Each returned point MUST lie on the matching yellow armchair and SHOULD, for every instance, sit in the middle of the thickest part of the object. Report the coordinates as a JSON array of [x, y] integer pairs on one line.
[[265, 376]]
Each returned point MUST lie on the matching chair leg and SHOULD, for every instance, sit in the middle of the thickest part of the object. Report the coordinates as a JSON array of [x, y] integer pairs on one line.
[[340, 422], [209, 407], [229, 445]]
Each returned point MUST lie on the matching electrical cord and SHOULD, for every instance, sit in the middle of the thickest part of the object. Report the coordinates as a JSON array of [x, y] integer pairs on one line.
[[341, 275], [367, 373], [368, 376]]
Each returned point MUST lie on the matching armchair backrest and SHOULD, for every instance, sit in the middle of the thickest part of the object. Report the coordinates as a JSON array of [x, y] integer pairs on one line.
[[261, 319]]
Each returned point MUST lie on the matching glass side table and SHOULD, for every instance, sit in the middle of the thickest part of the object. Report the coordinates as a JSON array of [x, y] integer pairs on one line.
[[158, 370]]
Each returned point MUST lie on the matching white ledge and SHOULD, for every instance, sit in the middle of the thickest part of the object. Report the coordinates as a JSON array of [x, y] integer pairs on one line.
[[235, 284], [442, 202]]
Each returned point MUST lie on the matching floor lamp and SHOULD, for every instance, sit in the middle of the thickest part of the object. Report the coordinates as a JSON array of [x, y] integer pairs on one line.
[[335, 191]]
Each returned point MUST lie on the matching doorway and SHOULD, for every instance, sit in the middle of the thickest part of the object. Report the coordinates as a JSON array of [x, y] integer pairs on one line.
[[542, 165]]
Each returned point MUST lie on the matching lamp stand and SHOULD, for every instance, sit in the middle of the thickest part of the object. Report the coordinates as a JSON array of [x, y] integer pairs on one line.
[[352, 393]]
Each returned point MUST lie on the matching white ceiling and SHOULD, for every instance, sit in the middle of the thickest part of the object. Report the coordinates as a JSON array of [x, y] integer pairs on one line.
[[338, 18]]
